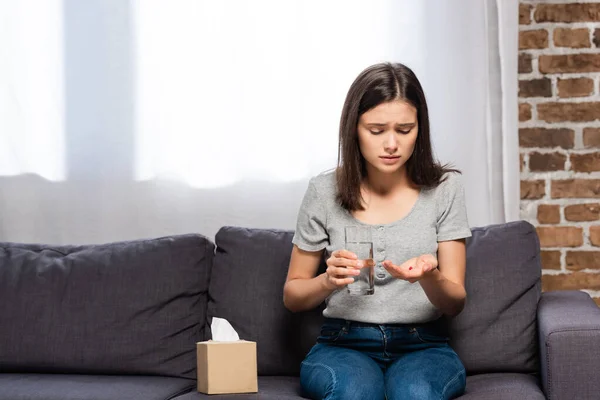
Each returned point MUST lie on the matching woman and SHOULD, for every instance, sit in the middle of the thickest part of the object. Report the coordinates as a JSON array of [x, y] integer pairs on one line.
[[389, 344]]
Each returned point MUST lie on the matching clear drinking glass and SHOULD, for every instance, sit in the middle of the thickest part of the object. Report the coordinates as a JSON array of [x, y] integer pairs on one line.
[[358, 241]]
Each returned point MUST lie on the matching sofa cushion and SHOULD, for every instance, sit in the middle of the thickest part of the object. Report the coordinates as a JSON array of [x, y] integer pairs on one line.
[[479, 387], [269, 388], [497, 329], [246, 288], [133, 307], [92, 387], [502, 386]]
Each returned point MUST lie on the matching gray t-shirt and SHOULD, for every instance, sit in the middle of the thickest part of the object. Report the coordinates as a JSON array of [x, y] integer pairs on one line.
[[439, 214]]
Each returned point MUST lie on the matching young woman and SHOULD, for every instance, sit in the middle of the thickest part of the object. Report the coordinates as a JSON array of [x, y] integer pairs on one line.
[[389, 344]]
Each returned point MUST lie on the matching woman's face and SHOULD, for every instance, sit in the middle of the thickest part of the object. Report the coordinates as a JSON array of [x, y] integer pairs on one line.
[[387, 135]]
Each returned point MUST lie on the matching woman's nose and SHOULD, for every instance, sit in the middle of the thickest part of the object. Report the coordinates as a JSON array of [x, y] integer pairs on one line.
[[391, 142]]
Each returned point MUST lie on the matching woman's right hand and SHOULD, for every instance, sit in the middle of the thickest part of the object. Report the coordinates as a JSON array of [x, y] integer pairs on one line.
[[342, 265]]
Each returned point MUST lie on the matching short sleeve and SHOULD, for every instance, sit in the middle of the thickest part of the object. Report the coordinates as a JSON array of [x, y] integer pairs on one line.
[[452, 223], [311, 232]]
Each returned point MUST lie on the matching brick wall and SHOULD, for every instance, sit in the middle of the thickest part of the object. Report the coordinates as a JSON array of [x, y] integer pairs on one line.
[[559, 138]]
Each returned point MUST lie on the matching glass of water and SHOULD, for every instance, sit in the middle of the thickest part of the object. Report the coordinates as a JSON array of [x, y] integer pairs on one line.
[[358, 241]]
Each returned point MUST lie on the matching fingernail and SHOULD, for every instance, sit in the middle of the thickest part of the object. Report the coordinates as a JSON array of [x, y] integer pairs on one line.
[[359, 264]]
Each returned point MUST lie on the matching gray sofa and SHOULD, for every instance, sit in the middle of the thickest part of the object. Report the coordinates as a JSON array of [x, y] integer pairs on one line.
[[120, 321]]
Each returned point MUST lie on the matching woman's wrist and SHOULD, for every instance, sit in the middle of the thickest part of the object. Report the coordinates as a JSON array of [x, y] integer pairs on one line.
[[432, 276], [328, 286]]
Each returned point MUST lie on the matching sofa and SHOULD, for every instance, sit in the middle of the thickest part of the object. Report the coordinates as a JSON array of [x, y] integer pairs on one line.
[[121, 320]]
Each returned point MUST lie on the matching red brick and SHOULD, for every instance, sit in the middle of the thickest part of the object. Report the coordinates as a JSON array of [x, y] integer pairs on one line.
[[582, 212], [548, 214], [578, 260], [541, 162], [597, 37], [595, 235], [550, 259], [571, 281], [575, 38], [545, 137], [560, 236], [569, 63], [575, 188], [585, 162], [536, 39], [575, 112], [591, 137], [524, 112], [578, 87], [531, 190], [577, 12], [525, 66], [535, 88], [525, 14]]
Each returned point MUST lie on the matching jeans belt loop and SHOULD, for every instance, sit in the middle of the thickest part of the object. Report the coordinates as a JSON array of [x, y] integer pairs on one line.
[[346, 327]]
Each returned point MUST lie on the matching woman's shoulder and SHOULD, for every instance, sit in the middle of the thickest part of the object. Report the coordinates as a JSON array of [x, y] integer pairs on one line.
[[451, 179], [448, 180], [325, 182], [450, 183]]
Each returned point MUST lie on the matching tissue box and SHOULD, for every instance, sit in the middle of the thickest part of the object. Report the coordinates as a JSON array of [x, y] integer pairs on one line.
[[227, 367]]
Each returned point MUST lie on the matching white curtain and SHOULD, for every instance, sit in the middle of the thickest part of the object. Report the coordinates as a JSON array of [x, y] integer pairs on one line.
[[131, 119]]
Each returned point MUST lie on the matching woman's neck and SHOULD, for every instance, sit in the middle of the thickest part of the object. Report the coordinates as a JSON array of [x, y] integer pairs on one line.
[[384, 184]]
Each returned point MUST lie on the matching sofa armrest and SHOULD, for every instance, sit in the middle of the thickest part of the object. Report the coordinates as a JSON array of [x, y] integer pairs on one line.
[[569, 340]]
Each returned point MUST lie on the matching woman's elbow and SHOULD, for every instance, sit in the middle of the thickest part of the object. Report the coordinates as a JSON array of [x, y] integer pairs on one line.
[[288, 300], [458, 306]]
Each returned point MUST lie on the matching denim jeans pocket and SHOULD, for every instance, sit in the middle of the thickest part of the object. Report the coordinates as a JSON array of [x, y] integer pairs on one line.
[[428, 335], [331, 333]]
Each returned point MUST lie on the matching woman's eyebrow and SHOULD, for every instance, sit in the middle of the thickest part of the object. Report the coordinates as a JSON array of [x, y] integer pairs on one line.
[[378, 124]]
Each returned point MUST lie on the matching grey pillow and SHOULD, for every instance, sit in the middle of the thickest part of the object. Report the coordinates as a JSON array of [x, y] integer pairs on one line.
[[246, 288], [497, 329], [134, 307]]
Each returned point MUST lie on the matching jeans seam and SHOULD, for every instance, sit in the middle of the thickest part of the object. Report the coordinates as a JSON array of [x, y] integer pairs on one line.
[[458, 374], [416, 332], [328, 368]]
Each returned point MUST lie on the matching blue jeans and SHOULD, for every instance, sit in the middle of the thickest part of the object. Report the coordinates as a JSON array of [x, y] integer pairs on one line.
[[354, 360]]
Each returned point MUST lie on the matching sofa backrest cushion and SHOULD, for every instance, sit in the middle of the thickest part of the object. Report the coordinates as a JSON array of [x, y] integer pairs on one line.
[[496, 331], [135, 307], [246, 288]]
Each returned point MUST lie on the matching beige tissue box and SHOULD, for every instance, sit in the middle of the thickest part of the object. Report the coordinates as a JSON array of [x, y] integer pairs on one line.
[[227, 367]]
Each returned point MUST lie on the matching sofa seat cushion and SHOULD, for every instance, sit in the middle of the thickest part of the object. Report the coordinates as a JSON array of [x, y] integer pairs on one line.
[[135, 307], [93, 387], [503, 386], [269, 388], [479, 387]]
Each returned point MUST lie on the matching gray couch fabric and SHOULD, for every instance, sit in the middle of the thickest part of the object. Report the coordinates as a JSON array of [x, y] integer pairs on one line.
[[269, 388], [96, 387], [569, 330], [496, 332], [246, 288], [122, 308], [503, 386], [509, 386]]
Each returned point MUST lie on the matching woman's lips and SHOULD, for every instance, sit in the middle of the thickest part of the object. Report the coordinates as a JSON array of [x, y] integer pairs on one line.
[[389, 160]]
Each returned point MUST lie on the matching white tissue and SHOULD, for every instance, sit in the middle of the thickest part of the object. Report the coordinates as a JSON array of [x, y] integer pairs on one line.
[[222, 331]]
